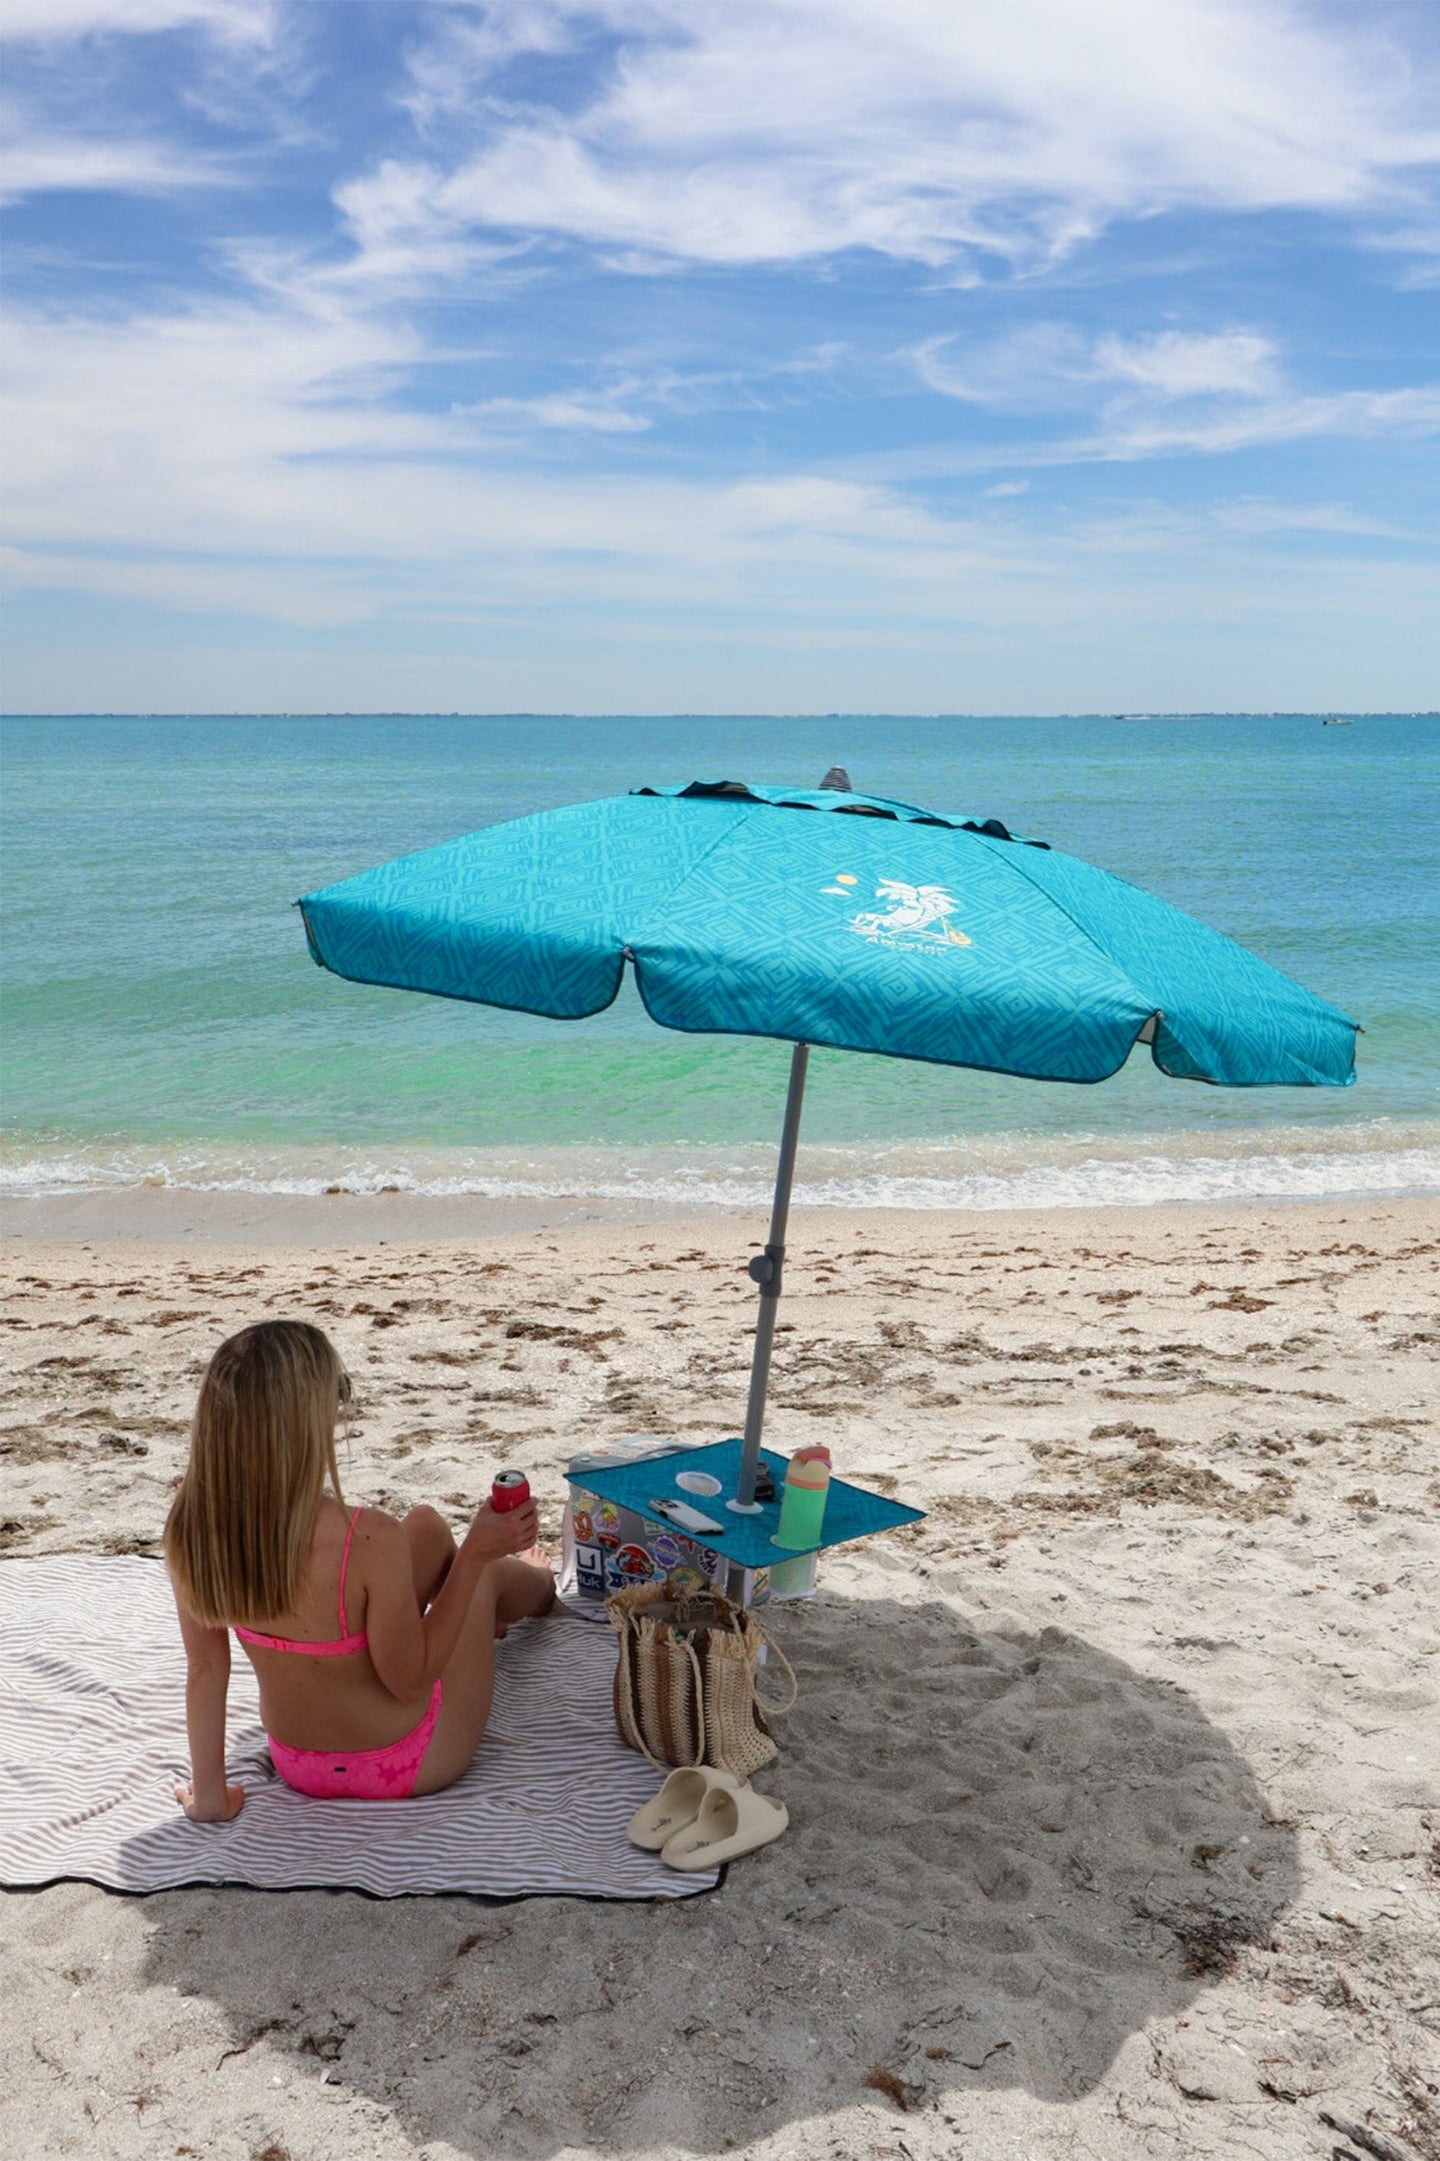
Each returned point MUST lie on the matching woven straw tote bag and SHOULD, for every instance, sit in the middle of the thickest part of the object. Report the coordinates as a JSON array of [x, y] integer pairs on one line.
[[686, 1686]]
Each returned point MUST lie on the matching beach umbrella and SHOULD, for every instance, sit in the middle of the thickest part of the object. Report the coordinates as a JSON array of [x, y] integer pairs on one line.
[[826, 916]]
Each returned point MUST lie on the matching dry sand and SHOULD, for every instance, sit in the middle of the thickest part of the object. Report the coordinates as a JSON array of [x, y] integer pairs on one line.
[[1113, 1785]]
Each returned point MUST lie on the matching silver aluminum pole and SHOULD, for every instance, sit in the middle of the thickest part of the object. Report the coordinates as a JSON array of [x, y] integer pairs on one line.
[[767, 1269]]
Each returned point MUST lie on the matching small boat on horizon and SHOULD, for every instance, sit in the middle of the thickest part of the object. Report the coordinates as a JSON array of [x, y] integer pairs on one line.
[[1337, 720]]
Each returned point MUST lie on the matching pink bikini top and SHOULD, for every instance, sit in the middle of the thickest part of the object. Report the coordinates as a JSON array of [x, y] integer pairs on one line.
[[336, 1646]]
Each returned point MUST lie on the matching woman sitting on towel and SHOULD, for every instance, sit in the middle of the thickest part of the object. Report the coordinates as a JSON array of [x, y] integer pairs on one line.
[[373, 1640]]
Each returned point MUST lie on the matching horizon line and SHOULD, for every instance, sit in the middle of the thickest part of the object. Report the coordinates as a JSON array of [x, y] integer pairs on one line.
[[718, 713]]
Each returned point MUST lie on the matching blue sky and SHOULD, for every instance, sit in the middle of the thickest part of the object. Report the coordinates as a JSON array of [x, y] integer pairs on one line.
[[734, 355]]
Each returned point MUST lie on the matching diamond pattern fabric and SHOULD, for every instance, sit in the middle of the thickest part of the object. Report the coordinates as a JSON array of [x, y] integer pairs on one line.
[[828, 918]]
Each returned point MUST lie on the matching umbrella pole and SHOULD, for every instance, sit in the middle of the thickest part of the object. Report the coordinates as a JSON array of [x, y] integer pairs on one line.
[[767, 1269]]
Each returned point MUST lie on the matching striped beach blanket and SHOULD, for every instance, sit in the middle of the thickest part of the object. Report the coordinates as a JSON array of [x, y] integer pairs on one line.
[[92, 1742]]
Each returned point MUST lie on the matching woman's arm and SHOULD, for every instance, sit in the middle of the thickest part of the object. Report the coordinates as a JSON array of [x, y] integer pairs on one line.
[[410, 1652], [208, 1798]]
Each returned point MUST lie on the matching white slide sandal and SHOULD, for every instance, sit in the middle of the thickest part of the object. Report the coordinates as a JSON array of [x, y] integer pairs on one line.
[[731, 1822], [677, 1804]]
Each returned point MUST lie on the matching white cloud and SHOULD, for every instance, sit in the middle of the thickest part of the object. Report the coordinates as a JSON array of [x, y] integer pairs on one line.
[[54, 21], [1412, 413], [754, 131], [255, 462], [1042, 367], [1258, 514], [275, 445], [600, 412], [773, 131], [1051, 365], [254, 458], [1236, 363], [1155, 616], [1171, 393], [51, 162], [65, 129]]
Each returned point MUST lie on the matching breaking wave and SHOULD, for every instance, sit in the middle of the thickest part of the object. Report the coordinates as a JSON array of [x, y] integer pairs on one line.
[[999, 1171]]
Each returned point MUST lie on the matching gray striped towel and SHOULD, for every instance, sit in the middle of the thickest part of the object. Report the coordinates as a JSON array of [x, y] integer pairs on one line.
[[92, 1742]]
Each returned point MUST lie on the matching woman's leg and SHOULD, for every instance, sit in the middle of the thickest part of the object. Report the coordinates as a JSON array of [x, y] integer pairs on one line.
[[508, 1590], [432, 1549]]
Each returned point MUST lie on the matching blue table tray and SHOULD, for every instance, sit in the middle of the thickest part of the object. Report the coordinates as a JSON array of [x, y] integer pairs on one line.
[[748, 1541]]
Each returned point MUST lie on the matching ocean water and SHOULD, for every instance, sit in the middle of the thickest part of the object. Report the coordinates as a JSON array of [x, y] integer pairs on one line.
[[164, 1024]]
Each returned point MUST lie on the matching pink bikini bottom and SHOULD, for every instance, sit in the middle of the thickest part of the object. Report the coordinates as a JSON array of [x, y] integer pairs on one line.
[[360, 1774]]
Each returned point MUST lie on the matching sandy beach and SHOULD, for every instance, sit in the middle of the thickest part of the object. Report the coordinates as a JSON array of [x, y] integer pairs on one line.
[[1114, 1785]]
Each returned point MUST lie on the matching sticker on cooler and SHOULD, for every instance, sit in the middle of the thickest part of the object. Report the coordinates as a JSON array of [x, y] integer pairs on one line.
[[627, 1565], [669, 1551], [590, 1570]]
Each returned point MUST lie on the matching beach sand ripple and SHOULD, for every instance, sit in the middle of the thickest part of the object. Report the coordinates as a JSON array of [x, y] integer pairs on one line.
[[1114, 1784]]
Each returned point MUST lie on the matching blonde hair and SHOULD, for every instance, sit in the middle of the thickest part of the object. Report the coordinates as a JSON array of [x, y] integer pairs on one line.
[[262, 1446]]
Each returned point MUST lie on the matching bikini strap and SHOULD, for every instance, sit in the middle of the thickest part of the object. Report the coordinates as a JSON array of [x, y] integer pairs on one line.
[[344, 1564]]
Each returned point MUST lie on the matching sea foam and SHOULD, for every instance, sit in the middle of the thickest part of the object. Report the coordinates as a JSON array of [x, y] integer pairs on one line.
[[1000, 1171]]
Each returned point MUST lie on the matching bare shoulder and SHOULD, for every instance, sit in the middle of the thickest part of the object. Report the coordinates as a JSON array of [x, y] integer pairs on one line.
[[380, 1568], [376, 1528], [379, 1542]]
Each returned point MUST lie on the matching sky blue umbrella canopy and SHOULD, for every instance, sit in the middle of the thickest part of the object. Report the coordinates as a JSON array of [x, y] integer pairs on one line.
[[822, 916]]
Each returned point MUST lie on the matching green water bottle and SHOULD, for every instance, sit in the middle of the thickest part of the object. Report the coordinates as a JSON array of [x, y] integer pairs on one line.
[[802, 1511]]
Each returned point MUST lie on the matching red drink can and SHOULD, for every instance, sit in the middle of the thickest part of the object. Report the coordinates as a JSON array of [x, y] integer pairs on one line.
[[510, 1490]]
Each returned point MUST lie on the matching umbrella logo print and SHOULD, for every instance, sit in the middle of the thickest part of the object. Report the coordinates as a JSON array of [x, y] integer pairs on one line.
[[918, 916]]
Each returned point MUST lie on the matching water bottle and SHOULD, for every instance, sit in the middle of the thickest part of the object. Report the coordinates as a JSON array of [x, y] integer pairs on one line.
[[802, 1510]]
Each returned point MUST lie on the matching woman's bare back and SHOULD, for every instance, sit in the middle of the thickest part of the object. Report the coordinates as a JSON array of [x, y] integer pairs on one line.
[[325, 1701]]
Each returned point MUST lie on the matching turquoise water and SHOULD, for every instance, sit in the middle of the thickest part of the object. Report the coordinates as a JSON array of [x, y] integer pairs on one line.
[[163, 1021]]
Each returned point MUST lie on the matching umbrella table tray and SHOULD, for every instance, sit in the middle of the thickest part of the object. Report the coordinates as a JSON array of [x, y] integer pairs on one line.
[[621, 1538]]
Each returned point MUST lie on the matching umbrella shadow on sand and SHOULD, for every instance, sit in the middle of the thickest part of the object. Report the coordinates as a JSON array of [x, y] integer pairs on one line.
[[1007, 1854]]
